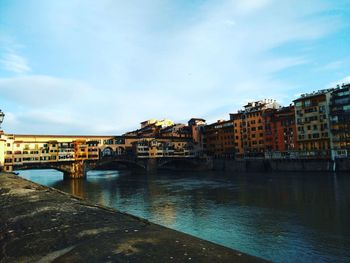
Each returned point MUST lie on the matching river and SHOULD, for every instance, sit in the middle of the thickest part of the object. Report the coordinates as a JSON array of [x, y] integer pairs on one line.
[[282, 217]]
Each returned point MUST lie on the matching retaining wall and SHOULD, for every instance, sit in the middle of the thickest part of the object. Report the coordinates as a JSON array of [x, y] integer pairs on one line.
[[263, 165]]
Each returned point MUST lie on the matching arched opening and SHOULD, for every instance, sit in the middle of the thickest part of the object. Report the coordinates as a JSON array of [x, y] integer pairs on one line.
[[107, 152], [115, 164]]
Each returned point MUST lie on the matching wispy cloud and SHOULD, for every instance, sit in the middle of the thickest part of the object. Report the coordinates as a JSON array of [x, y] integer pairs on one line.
[[13, 62], [333, 65]]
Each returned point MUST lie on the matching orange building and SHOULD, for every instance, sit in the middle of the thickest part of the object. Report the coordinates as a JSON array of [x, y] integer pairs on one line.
[[280, 129], [251, 126], [219, 138], [237, 133], [286, 129]]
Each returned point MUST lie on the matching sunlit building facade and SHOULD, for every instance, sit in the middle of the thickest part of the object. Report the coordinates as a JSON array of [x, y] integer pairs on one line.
[[312, 123]]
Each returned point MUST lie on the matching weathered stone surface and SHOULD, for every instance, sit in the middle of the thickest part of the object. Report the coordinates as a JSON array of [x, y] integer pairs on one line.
[[41, 224]]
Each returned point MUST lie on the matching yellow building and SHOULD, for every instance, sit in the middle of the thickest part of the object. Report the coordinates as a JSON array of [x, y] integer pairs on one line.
[[16, 150]]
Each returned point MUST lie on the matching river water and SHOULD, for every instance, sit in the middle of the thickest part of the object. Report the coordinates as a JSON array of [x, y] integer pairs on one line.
[[283, 217]]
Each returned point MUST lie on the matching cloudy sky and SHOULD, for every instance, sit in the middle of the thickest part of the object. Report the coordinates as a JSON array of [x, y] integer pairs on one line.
[[101, 67]]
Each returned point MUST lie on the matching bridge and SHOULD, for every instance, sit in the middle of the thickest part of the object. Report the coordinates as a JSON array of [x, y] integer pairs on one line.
[[79, 169], [76, 155]]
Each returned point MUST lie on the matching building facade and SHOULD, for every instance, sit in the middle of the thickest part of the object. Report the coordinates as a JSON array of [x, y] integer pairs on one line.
[[220, 139], [250, 124], [312, 123], [161, 148], [340, 121], [280, 132]]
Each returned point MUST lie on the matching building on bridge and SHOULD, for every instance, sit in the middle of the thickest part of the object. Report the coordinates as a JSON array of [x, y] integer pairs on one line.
[[164, 148], [18, 150]]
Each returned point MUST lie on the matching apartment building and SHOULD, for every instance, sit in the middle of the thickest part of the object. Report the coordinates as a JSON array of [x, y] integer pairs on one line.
[[252, 126], [340, 121], [197, 129], [312, 123], [280, 130], [236, 118], [220, 139]]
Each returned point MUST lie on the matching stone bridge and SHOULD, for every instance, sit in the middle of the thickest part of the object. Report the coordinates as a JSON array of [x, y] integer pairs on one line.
[[79, 169], [70, 169]]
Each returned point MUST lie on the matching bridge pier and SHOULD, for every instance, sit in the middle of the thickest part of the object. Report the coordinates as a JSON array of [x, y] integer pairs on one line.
[[75, 170]]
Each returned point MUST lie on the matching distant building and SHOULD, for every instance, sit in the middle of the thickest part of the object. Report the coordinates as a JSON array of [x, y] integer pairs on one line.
[[251, 127], [220, 139], [280, 130], [151, 128], [312, 123], [340, 120], [237, 134], [196, 126], [161, 148], [159, 123], [176, 130], [286, 129]]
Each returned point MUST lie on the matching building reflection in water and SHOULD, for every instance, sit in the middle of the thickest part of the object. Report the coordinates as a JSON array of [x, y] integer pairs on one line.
[[76, 187]]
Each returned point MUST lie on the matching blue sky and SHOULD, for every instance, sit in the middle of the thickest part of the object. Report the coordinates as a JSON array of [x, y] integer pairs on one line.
[[101, 67]]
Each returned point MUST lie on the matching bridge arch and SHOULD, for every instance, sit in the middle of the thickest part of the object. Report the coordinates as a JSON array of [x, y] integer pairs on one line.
[[41, 166], [116, 163]]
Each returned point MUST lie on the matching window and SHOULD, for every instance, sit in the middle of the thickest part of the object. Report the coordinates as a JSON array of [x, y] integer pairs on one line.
[[315, 135], [344, 93]]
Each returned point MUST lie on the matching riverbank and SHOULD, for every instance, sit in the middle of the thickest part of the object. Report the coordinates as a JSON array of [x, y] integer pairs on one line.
[[43, 224]]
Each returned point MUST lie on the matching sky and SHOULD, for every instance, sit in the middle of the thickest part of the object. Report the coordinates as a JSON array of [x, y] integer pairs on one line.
[[102, 67]]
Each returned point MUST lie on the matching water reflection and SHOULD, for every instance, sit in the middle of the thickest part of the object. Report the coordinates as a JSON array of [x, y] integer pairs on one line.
[[281, 217]]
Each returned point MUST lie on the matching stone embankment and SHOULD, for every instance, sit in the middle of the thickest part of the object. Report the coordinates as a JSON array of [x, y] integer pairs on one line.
[[281, 165], [41, 224]]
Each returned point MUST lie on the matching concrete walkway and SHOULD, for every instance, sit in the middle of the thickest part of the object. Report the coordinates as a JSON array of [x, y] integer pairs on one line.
[[41, 224]]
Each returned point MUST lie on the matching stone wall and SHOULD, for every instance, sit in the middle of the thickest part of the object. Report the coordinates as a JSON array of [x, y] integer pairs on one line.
[[261, 165]]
